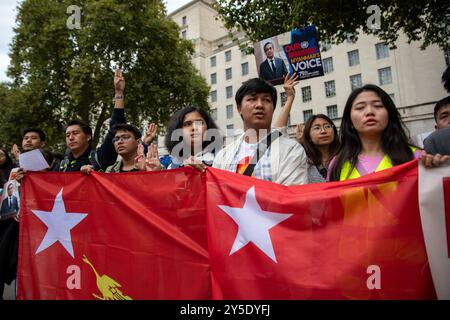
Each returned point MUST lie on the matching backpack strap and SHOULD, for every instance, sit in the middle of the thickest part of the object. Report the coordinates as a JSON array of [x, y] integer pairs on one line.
[[63, 164], [93, 160], [263, 145]]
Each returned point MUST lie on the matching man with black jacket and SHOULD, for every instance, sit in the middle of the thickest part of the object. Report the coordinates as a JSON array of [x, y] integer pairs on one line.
[[79, 137]]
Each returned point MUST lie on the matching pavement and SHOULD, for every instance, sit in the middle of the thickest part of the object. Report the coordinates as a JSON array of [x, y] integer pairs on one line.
[[9, 293]]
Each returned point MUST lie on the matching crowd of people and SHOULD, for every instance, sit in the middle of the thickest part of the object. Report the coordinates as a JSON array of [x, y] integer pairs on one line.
[[372, 138]]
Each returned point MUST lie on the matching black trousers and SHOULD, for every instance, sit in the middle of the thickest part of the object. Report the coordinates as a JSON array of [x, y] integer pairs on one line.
[[9, 250]]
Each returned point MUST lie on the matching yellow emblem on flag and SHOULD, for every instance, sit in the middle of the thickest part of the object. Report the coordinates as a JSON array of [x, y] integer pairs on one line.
[[108, 287]]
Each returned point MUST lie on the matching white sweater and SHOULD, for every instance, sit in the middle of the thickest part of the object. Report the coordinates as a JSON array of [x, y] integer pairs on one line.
[[287, 160]]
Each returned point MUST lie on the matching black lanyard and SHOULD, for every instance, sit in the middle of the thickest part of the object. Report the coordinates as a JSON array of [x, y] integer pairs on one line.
[[263, 145]]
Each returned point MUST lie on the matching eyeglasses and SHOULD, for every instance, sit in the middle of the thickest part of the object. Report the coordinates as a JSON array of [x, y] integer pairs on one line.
[[123, 138], [325, 127]]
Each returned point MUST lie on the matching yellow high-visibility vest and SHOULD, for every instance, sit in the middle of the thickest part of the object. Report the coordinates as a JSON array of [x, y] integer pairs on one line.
[[386, 163]]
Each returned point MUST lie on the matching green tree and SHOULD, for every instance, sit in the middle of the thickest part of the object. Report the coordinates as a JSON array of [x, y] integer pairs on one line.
[[64, 73], [428, 21], [20, 108]]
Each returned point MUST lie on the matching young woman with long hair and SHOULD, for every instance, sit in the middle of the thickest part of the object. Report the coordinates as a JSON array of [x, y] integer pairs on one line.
[[192, 136], [373, 137], [320, 141]]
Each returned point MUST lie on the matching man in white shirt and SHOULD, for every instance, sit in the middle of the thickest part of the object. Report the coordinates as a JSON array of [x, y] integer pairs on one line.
[[282, 161]]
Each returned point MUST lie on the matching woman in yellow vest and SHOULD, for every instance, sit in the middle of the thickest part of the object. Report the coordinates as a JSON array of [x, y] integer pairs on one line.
[[373, 137]]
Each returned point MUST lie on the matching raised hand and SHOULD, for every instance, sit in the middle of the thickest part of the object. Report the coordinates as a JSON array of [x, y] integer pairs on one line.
[[150, 134], [139, 160], [299, 132], [289, 84], [119, 82], [152, 162], [15, 151]]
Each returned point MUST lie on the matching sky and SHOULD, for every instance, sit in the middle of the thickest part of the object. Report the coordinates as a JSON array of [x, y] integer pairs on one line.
[[7, 21]]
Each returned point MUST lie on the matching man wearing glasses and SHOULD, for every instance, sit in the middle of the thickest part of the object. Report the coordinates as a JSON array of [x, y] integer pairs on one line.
[[130, 147], [127, 139]]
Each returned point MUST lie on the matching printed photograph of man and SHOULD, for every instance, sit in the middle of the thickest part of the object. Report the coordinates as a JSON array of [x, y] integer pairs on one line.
[[10, 203], [273, 68]]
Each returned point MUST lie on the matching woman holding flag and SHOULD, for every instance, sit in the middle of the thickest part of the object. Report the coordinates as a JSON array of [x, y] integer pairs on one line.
[[373, 137]]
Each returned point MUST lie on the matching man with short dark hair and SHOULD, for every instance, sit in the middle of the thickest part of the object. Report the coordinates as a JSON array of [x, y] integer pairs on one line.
[[442, 113], [262, 152], [130, 147], [272, 68], [32, 138], [439, 141], [126, 141], [79, 137]]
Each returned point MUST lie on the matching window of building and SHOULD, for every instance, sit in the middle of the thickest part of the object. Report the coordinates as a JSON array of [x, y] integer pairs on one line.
[[213, 78], [230, 129], [245, 69], [355, 81], [229, 92], [283, 98], [306, 94], [229, 111], [184, 35], [228, 55], [213, 61], [353, 57], [385, 76], [332, 112], [382, 50], [326, 46], [214, 96], [228, 74], [330, 88], [184, 20], [328, 65], [307, 114], [214, 114]]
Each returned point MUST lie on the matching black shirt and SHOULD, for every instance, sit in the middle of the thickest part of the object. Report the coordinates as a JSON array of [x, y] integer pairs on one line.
[[438, 142], [103, 157]]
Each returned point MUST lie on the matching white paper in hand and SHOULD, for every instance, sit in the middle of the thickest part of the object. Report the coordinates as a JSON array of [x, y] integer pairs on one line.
[[33, 161]]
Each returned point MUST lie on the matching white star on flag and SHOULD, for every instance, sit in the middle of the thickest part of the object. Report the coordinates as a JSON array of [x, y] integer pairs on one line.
[[254, 224], [59, 223]]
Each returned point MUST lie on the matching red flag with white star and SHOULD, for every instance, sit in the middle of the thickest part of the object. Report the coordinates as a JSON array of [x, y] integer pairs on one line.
[[359, 239], [180, 234], [113, 236]]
